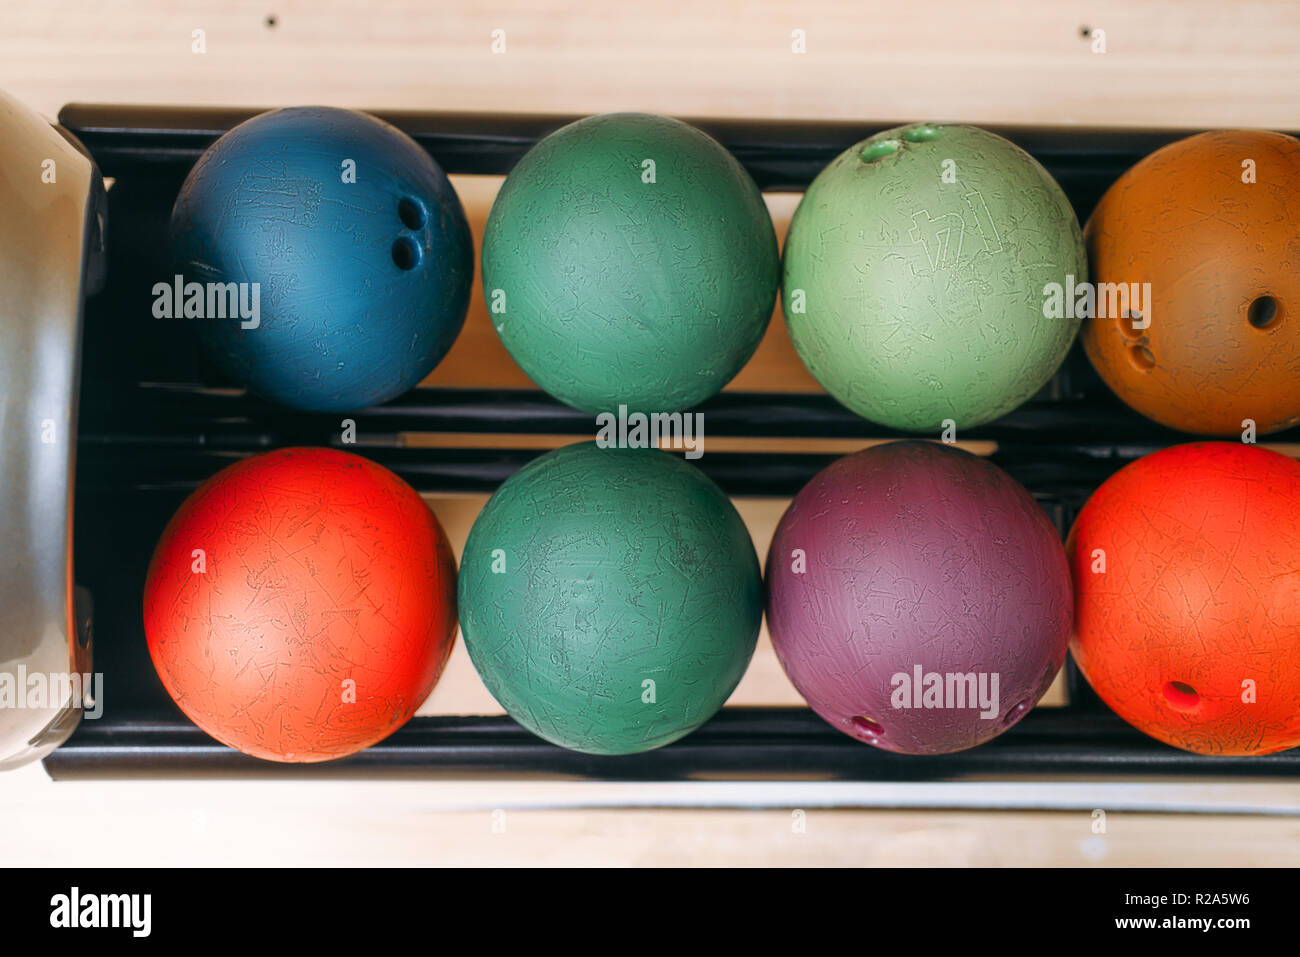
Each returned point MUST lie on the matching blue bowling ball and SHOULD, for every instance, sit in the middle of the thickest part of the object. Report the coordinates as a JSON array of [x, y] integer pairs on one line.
[[350, 249]]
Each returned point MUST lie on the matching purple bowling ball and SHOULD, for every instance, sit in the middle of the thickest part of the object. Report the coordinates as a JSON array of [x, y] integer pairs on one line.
[[918, 597]]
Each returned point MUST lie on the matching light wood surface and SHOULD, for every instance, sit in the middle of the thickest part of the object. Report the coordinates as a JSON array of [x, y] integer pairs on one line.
[[1167, 62], [354, 824], [1198, 63]]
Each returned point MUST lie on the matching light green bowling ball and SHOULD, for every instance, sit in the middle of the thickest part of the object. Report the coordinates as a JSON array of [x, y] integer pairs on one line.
[[914, 276]]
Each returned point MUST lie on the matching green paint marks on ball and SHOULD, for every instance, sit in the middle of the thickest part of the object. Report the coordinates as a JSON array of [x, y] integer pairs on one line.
[[610, 598], [629, 259], [914, 276]]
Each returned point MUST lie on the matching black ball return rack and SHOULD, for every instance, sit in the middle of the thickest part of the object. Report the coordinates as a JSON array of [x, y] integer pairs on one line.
[[155, 422]]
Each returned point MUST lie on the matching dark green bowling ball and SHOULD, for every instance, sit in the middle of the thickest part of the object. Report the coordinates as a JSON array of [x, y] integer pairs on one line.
[[629, 259], [610, 598]]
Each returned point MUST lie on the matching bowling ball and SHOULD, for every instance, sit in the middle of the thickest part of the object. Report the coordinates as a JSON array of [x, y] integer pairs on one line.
[[629, 259], [918, 597], [1187, 597], [301, 604], [915, 269], [354, 241], [610, 598], [1216, 343]]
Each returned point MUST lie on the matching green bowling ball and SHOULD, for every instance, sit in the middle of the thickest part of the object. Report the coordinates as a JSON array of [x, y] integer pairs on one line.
[[629, 259], [610, 598], [914, 276]]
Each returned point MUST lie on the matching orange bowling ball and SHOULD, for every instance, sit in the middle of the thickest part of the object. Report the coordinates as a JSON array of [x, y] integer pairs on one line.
[[1186, 571], [301, 604], [1212, 224]]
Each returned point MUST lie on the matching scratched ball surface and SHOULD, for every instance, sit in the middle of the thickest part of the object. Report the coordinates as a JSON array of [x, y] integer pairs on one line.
[[301, 604], [918, 597], [1187, 597], [914, 274], [358, 247], [610, 598], [629, 259], [1207, 232]]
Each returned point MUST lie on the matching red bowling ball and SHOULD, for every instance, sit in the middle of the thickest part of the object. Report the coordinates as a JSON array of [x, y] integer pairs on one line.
[[1187, 597], [301, 604]]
